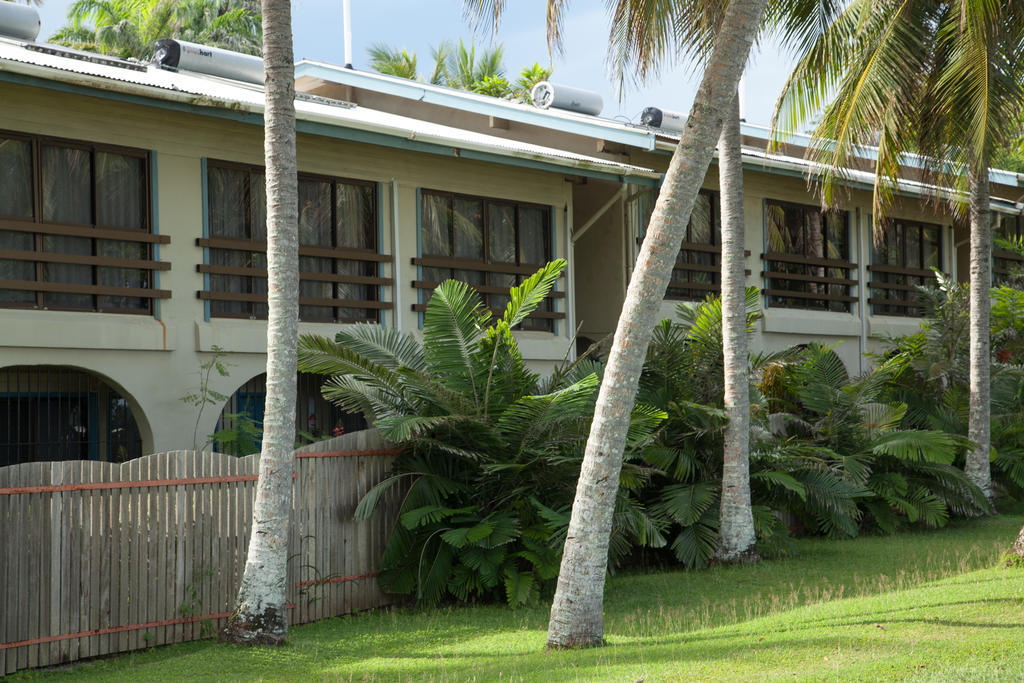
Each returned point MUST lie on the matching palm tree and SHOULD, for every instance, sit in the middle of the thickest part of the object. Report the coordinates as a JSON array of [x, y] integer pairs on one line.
[[129, 28], [643, 35], [261, 613], [958, 72], [385, 59], [577, 612], [458, 67]]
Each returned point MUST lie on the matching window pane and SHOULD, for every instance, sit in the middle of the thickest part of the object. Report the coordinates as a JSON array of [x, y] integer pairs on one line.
[[258, 207], [436, 221], [66, 272], [356, 214], [468, 224], [932, 257], [226, 199], [120, 194], [534, 236], [11, 269], [315, 213], [316, 289], [701, 225], [15, 178], [913, 246], [122, 277], [67, 185], [501, 233]]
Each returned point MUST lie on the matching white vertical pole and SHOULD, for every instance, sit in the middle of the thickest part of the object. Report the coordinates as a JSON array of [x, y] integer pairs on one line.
[[348, 33]]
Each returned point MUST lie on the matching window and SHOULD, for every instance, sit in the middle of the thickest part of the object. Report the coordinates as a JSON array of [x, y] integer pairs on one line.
[[339, 278], [315, 416], [488, 243], [1006, 264], [901, 262], [697, 271], [75, 228], [807, 262], [57, 413]]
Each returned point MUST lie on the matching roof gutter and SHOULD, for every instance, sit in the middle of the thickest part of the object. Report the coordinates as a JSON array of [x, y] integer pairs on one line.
[[447, 146], [759, 160], [479, 104]]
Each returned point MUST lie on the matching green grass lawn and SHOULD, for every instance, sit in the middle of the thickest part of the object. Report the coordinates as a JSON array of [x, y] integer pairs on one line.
[[923, 605]]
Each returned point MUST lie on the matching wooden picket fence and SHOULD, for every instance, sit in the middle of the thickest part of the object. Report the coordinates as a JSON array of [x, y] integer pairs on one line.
[[98, 558]]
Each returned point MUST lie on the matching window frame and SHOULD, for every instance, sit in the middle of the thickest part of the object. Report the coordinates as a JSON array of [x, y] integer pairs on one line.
[[887, 271], [518, 270], [94, 261], [778, 296], [373, 254]]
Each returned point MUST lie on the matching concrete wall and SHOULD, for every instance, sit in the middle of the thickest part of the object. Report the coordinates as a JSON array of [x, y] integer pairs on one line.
[[154, 360], [780, 328]]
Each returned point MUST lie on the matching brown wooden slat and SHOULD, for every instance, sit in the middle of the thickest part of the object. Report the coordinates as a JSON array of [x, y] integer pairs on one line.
[[119, 234], [420, 308], [472, 264], [483, 289], [319, 277], [678, 284], [807, 295], [808, 278], [893, 286], [899, 270], [807, 260], [904, 303], [82, 259], [1008, 255], [328, 252], [70, 288], [305, 301]]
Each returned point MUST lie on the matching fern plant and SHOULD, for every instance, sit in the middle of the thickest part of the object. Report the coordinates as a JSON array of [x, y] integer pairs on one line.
[[491, 453]]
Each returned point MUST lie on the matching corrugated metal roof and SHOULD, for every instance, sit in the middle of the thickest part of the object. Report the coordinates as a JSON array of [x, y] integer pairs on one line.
[[202, 90]]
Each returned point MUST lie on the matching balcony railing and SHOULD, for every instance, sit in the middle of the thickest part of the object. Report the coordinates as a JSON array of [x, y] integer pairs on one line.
[[491, 293], [334, 308], [796, 281], [897, 287]]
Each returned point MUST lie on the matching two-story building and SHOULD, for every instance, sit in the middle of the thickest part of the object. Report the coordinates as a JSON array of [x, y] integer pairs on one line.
[[132, 237]]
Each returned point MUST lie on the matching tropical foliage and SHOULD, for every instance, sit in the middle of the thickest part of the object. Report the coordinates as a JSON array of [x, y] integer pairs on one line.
[[130, 28], [491, 450], [830, 454], [930, 372], [461, 67]]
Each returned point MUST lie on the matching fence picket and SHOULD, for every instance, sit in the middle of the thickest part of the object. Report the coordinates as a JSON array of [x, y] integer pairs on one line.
[[102, 558]]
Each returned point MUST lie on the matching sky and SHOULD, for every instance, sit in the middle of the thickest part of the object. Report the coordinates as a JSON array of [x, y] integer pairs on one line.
[[417, 24]]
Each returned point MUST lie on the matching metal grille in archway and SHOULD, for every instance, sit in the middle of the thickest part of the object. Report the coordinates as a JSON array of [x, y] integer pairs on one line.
[[58, 413], [316, 418]]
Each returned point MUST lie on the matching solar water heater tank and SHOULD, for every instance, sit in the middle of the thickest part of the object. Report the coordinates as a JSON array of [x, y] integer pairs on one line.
[[546, 95], [185, 56], [19, 21]]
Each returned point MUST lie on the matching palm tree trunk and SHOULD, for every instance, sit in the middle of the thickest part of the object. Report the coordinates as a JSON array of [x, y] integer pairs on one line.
[[577, 611], [736, 526], [977, 466], [261, 616]]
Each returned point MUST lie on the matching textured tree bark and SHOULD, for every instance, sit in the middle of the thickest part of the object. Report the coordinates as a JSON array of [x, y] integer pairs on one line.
[[736, 526], [977, 467], [261, 616], [577, 611], [1018, 545]]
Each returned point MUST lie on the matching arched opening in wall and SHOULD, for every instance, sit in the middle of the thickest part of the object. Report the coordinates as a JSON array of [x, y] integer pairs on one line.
[[60, 413], [240, 425]]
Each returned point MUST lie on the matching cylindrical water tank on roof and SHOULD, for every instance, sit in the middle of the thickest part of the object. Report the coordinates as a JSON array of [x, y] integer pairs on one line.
[[185, 56], [670, 121], [18, 21], [547, 95]]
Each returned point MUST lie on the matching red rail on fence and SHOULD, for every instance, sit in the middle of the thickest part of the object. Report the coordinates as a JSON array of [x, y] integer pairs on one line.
[[98, 558]]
